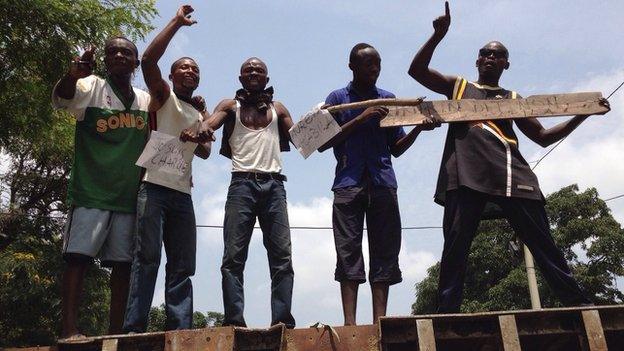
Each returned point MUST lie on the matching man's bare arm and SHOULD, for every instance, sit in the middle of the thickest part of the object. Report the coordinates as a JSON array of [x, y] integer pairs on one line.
[[285, 120], [405, 142], [419, 69], [534, 130], [349, 127], [80, 67], [158, 87], [203, 150], [222, 111]]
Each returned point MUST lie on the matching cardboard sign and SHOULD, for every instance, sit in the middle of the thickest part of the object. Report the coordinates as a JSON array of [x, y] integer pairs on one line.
[[166, 153], [313, 130]]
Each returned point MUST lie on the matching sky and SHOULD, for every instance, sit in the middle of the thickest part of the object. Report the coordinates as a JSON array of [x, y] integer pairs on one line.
[[554, 48]]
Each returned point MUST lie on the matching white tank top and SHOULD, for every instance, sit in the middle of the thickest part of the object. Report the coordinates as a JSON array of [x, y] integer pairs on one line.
[[256, 150], [172, 118]]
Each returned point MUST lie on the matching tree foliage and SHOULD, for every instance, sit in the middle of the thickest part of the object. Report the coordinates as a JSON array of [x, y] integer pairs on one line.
[[157, 319], [38, 38], [582, 226]]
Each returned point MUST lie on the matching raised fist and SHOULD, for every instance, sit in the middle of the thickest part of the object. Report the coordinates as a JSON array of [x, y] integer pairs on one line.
[[83, 66], [183, 16]]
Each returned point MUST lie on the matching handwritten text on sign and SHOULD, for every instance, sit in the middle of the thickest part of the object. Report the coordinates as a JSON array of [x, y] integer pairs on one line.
[[474, 110], [166, 153], [313, 130]]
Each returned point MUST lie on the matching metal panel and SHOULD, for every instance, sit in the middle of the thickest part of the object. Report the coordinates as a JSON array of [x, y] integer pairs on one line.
[[346, 338], [595, 328], [208, 339], [259, 339]]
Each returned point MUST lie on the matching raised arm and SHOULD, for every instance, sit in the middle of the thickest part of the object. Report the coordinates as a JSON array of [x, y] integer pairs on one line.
[[419, 69], [158, 87], [80, 67], [534, 130]]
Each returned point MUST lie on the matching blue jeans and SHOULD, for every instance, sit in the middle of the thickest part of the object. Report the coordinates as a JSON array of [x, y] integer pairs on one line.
[[164, 216], [246, 200]]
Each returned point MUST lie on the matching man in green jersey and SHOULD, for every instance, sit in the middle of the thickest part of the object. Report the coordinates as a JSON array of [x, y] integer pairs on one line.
[[111, 130]]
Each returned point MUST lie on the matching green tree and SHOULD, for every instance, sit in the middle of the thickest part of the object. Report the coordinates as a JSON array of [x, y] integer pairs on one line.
[[582, 226], [214, 319], [37, 40], [157, 319]]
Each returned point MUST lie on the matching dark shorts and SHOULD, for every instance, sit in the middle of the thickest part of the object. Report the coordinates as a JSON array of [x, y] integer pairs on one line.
[[379, 205]]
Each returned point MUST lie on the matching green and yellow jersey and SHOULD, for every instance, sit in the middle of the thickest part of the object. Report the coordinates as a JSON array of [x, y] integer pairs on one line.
[[109, 137]]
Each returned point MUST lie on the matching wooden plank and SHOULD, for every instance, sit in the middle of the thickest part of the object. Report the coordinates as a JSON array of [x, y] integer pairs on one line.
[[509, 332], [109, 345], [376, 102], [593, 329], [426, 336], [449, 111]]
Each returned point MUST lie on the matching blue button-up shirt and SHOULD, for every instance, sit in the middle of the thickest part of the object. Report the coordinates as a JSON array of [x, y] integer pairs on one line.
[[367, 148]]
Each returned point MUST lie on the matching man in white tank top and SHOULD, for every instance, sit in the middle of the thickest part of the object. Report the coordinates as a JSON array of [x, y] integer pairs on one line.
[[164, 207], [256, 130]]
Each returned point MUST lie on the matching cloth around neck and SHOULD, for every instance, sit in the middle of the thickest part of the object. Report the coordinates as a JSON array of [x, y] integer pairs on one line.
[[262, 99]]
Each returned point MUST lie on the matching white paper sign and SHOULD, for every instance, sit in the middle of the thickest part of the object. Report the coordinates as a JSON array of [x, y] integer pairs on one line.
[[166, 153], [313, 130]]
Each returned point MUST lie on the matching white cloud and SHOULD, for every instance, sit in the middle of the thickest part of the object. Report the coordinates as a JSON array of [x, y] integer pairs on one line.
[[414, 263], [159, 296]]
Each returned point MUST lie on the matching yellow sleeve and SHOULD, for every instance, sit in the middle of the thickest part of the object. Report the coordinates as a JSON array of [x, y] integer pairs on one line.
[[458, 89]]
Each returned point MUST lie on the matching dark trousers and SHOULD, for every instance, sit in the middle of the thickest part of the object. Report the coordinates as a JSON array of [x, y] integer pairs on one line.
[[462, 212], [246, 200], [381, 208], [163, 216]]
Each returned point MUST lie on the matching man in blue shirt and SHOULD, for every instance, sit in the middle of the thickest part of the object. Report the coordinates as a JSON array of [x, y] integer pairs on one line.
[[365, 186]]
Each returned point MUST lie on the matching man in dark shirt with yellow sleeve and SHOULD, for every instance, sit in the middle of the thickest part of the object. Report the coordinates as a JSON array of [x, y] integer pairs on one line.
[[482, 165]]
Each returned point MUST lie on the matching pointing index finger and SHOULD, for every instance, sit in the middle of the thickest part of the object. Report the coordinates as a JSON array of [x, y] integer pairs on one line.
[[447, 11]]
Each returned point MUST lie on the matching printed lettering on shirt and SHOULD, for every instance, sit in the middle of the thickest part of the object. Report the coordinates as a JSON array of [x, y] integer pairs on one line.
[[121, 120]]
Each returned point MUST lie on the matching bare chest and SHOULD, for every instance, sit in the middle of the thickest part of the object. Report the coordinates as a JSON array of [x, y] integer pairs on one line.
[[252, 118]]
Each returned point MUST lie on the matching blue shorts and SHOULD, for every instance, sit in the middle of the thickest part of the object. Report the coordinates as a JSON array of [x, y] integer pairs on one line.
[[96, 233], [380, 207]]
